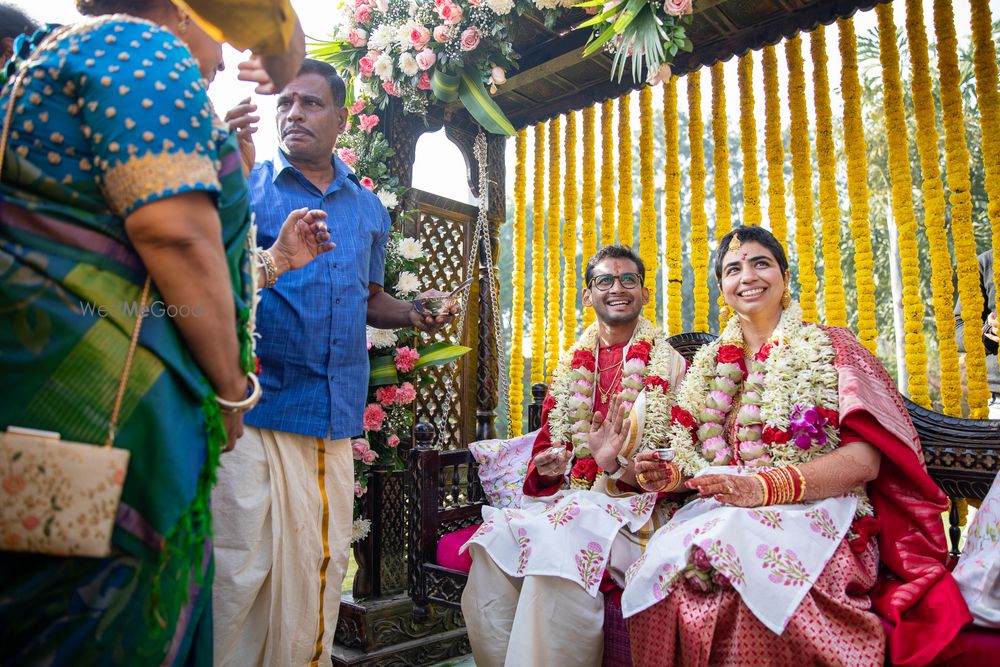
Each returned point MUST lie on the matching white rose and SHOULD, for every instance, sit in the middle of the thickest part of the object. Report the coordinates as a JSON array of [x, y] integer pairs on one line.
[[500, 7], [408, 64], [388, 199], [383, 67], [407, 283], [410, 248], [381, 337], [402, 35], [381, 38]]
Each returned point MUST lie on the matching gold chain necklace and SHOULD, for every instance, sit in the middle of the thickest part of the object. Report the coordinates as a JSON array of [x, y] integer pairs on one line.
[[614, 382]]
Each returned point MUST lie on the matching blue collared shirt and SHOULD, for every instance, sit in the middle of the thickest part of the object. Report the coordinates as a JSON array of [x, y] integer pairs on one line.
[[313, 348]]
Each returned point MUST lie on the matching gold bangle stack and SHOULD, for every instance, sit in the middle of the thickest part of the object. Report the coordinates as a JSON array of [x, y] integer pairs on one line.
[[270, 269], [782, 486]]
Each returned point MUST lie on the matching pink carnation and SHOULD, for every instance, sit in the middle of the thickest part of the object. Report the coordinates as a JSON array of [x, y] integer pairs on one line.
[[366, 66], [357, 107], [373, 418], [406, 357], [405, 394], [470, 38], [426, 59], [386, 395], [390, 88], [358, 37], [349, 157], [358, 489], [424, 82], [367, 122], [368, 183], [419, 36], [444, 33], [393, 440], [677, 7]]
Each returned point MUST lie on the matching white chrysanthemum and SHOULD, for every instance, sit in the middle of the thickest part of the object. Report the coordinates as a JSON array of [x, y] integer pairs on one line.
[[381, 37], [402, 36], [408, 283], [410, 248], [500, 7], [388, 199], [381, 337], [360, 529], [547, 4], [408, 64], [383, 67]]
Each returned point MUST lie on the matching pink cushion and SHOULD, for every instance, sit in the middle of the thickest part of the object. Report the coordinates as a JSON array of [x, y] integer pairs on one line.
[[448, 546], [972, 647]]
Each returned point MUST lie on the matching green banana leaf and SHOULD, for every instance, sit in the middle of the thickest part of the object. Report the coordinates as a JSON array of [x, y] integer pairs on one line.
[[383, 368], [482, 107], [383, 371]]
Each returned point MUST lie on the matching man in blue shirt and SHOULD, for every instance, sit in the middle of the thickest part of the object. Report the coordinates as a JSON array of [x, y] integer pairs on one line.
[[283, 504]]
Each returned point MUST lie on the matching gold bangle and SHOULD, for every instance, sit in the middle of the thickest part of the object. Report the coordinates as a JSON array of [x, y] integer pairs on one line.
[[247, 404], [270, 268], [802, 484], [763, 485]]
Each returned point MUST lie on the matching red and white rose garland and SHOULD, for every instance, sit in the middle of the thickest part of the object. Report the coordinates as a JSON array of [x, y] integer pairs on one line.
[[647, 365]]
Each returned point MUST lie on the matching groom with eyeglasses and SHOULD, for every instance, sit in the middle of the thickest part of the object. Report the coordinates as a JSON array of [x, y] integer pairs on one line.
[[529, 601]]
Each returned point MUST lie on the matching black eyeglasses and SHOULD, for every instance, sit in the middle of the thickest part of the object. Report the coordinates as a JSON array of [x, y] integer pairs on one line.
[[606, 281]]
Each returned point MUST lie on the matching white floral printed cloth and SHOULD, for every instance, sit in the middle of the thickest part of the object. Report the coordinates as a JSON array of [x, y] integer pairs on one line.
[[568, 534], [771, 555], [503, 465], [978, 570]]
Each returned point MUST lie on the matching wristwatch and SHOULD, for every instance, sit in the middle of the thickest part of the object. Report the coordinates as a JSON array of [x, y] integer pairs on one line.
[[622, 464]]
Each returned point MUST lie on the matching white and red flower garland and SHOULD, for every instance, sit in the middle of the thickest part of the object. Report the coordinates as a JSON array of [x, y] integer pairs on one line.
[[647, 365], [788, 412]]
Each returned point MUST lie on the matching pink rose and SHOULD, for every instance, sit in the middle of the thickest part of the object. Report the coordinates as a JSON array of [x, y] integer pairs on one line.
[[390, 88], [349, 157], [359, 490], [363, 14], [368, 183], [393, 440], [373, 418], [470, 38], [449, 12], [358, 449], [443, 33], [386, 395], [405, 394], [677, 7], [366, 66], [426, 59], [370, 456], [419, 36], [498, 75], [660, 75], [424, 82], [367, 122], [358, 37], [406, 357]]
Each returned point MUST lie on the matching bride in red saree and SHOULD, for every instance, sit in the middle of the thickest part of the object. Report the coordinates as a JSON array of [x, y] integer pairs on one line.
[[792, 432]]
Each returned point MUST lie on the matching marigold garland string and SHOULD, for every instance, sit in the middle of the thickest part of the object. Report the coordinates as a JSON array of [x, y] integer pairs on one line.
[[672, 208], [625, 213], [649, 248], [538, 259], [569, 236], [516, 390], [720, 162], [984, 58], [805, 238], [957, 168], [857, 185], [588, 205], [748, 143], [699, 221], [829, 205], [607, 174], [934, 207], [902, 208], [774, 148], [553, 239]]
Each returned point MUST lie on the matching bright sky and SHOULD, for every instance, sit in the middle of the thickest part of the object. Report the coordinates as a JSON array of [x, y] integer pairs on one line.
[[439, 166]]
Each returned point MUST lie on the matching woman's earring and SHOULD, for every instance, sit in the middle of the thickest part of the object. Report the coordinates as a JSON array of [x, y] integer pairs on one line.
[[182, 25], [786, 298]]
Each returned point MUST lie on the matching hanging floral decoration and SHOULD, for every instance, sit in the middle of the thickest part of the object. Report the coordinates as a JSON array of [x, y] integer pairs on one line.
[[649, 247], [934, 209], [650, 32], [748, 142], [588, 205], [516, 391], [607, 174], [720, 162], [699, 220], [902, 210], [538, 258], [857, 186], [957, 168], [774, 149], [625, 219], [554, 242], [569, 235], [672, 207], [829, 205]]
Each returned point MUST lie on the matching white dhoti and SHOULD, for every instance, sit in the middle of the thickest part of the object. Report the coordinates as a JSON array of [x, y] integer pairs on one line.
[[282, 513]]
